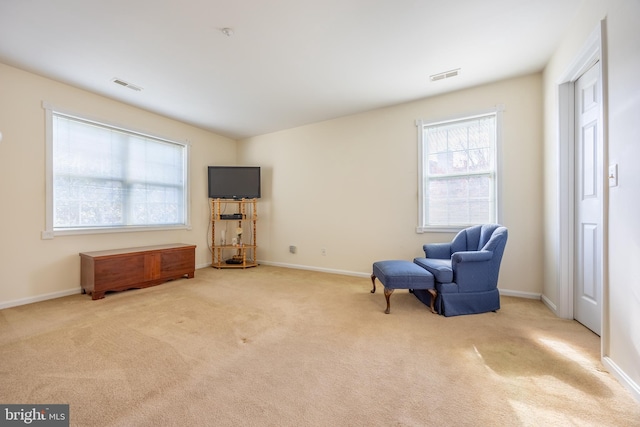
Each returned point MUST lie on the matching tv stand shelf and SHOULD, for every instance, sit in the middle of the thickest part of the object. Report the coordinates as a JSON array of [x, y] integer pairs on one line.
[[233, 233]]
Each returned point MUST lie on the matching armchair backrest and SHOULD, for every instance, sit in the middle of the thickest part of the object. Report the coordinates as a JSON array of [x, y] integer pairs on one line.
[[473, 238], [496, 244], [489, 237]]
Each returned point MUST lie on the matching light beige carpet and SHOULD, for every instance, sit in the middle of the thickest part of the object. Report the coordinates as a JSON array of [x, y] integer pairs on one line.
[[271, 346]]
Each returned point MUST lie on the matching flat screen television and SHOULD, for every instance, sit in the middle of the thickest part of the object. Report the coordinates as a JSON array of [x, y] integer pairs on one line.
[[234, 182]]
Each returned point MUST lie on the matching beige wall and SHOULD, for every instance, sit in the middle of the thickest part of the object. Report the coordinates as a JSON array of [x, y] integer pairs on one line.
[[621, 321], [31, 268], [350, 185]]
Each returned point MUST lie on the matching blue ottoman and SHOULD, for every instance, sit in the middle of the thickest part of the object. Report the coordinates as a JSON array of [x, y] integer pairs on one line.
[[400, 274]]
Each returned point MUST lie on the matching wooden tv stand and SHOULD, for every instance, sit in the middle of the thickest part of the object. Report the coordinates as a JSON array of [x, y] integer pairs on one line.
[[121, 269]]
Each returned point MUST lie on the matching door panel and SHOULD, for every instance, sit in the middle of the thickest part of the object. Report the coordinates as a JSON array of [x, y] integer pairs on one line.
[[589, 261], [589, 201]]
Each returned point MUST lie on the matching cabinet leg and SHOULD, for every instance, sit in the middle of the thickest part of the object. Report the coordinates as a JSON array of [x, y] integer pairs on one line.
[[97, 295]]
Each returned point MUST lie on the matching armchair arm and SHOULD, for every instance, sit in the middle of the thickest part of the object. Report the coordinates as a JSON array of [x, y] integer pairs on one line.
[[471, 256], [472, 270], [437, 250]]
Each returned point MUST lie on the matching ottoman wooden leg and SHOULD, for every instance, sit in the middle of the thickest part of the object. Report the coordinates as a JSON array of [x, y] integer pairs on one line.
[[434, 294], [373, 281], [387, 295]]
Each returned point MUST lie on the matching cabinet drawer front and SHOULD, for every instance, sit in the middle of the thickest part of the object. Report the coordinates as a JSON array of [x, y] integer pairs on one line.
[[118, 271], [178, 262]]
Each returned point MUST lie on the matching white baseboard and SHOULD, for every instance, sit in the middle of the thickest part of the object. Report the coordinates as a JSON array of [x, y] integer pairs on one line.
[[320, 269], [54, 295], [519, 294], [59, 294], [43, 297], [623, 378], [506, 292], [550, 305]]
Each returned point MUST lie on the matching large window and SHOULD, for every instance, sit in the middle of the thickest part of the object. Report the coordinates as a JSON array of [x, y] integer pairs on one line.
[[107, 178], [458, 172]]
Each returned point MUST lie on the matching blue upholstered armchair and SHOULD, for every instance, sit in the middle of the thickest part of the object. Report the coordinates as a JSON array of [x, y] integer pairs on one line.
[[465, 270]]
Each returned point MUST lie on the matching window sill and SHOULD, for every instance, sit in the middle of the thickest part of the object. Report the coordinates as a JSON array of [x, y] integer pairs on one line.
[[442, 229], [50, 234]]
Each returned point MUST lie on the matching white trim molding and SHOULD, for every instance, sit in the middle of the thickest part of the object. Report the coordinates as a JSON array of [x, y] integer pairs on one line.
[[50, 232], [420, 124], [590, 54], [39, 298], [519, 294], [621, 376], [312, 268]]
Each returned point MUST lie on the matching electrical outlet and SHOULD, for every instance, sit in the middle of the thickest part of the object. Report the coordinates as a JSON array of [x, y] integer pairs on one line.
[[292, 249], [323, 251]]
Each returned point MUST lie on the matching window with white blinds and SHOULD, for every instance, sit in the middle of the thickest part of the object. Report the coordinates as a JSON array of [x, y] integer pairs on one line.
[[105, 177], [459, 172]]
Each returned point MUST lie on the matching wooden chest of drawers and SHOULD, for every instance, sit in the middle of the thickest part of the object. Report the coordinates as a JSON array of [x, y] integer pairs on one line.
[[121, 269]]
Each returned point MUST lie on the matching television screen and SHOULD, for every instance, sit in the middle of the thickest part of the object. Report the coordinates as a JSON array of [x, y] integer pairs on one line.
[[234, 182]]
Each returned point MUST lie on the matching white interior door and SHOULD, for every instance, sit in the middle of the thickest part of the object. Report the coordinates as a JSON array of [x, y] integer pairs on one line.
[[588, 200]]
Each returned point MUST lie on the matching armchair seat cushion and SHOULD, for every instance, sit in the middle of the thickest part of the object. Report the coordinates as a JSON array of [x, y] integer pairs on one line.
[[440, 268]]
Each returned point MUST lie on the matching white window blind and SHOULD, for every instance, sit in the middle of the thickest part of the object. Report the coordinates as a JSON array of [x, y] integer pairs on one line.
[[458, 172], [106, 177]]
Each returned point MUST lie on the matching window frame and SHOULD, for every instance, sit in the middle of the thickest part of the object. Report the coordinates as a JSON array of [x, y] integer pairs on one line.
[[50, 232], [423, 226]]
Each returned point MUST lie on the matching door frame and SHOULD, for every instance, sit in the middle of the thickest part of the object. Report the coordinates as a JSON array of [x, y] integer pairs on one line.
[[592, 52]]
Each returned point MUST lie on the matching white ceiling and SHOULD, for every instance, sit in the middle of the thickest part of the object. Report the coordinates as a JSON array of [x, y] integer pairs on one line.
[[288, 62]]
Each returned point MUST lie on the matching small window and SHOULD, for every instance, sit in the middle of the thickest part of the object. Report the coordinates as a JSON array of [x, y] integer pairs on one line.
[[107, 178], [458, 170]]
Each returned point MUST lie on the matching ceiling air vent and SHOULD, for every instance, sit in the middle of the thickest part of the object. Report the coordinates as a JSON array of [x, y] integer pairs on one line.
[[127, 85], [445, 75]]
